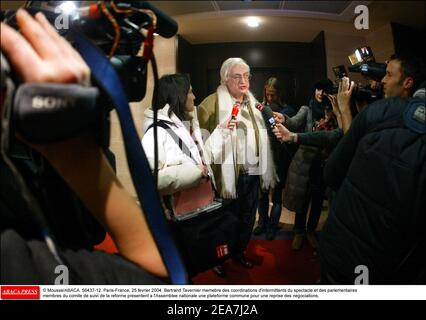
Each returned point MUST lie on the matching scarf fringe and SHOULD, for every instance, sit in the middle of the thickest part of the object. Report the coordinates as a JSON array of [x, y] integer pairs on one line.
[[269, 176]]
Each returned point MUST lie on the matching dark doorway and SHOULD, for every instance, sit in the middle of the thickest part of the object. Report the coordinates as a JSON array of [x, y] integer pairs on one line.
[[297, 65], [259, 77]]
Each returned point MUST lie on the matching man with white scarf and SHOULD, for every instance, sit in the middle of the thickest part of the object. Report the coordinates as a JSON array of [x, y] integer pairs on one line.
[[240, 154]]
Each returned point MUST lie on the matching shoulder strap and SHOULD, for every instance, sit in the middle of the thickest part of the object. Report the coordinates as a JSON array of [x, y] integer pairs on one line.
[[139, 167], [163, 124]]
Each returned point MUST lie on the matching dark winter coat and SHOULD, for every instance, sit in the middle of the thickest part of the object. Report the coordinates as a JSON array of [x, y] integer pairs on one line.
[[377, 218], [296, 188]]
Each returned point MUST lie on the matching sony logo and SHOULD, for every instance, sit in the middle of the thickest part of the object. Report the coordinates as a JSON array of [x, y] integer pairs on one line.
[[40, 102]]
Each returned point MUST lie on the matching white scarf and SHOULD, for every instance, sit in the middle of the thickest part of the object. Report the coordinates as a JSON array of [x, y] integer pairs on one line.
[[266, 162]]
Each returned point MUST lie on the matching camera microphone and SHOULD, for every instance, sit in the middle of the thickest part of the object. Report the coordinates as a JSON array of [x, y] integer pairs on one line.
[[267, 114]]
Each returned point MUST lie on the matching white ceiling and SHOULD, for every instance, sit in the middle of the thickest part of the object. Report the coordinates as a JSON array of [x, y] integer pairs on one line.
[[176, 8], [290, 20]]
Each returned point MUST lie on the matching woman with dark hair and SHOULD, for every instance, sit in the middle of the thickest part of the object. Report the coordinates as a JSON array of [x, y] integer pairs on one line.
[[174, 90], [181, 168], [305, 184], [177, 170]]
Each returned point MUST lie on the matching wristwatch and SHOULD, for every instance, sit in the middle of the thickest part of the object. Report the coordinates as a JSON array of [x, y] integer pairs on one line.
[[293, 137]]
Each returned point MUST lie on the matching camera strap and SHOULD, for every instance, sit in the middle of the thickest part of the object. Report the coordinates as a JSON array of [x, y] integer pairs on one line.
[[139, 167], [182, 146]]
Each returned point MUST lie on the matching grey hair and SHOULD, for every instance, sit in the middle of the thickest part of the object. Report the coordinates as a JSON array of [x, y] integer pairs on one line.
[[228, 64]]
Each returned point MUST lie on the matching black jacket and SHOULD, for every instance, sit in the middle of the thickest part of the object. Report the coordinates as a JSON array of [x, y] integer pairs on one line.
[[321, 139], [378, 216]]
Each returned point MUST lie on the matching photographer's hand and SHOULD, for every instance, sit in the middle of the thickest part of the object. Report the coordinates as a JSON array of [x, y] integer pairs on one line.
[[283, 134], [336, 110], [41, 55], [279, 117], [346, 88], [204, 171], [228, 123]]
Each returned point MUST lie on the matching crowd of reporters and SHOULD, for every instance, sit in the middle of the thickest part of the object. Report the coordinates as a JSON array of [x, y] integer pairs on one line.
[[368, 162]]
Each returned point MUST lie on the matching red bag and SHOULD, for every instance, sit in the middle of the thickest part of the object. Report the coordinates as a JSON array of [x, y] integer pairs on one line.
[[194, 200]]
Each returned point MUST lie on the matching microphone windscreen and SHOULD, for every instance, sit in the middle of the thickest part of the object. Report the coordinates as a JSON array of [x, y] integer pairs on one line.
[[267, 113], [235, 111]]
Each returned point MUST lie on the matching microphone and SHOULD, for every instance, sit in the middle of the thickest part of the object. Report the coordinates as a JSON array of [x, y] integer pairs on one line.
[[267, 114], [235, 110]]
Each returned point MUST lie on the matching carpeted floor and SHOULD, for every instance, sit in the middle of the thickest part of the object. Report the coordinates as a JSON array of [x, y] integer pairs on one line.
[[275, 264]]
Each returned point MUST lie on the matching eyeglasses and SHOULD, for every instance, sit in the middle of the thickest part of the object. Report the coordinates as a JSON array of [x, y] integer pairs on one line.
[[239, 77]]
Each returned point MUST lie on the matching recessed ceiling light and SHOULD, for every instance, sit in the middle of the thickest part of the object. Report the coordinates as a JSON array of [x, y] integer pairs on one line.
[[252, 22], [67, 7]]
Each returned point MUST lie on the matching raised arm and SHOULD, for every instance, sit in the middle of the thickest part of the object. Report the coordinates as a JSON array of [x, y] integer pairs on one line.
[[39, 54]]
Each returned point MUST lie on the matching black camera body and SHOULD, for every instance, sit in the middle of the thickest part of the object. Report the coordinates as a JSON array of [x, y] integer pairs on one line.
[[123, 51], [367, 94], [363, 62], [371, 70], [340, 72], [131, 67], [49, 113]]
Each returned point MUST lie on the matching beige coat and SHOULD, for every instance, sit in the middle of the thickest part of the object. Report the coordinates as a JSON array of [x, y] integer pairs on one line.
[[216, 109]]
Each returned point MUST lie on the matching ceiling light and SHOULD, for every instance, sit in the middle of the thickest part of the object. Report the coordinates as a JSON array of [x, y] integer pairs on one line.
[[253, 22], [67, 7]]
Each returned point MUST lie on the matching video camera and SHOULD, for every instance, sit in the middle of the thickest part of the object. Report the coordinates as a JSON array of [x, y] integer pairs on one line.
[[114, 27], [109, 36], [363, 62], [339, 73]]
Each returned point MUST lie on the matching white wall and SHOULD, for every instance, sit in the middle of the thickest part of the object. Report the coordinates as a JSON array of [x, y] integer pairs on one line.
[[381, 42], [338, 48]]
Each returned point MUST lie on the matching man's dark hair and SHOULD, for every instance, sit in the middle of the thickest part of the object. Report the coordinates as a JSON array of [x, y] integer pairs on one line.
[[173, 90], [411, 67]]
